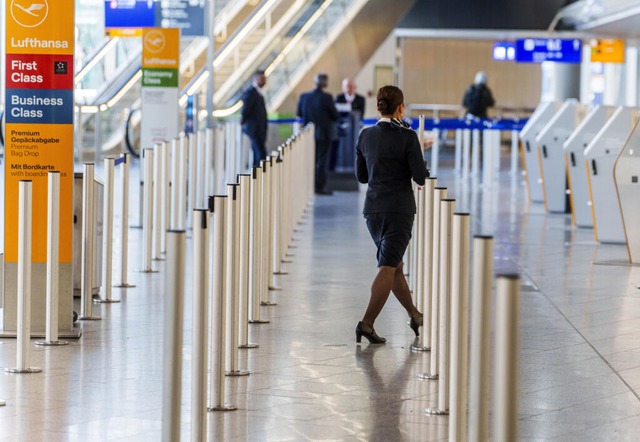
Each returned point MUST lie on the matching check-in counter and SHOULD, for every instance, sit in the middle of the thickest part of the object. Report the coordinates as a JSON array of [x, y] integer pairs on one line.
[[600, 156], [574, 147], [530, 161], [627, 181], [553, 170]]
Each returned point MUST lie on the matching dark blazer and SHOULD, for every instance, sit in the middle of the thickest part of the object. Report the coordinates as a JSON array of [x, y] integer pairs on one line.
[[318, 108], [357, 105], [254, 114], [388, 157]]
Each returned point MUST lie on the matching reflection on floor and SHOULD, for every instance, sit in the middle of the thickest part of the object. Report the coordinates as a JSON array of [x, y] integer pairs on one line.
[[580, 350]]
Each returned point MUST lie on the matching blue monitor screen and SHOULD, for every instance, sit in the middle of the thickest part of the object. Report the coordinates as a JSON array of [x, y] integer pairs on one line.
[[504, 51], [537, 50], [129, 13]]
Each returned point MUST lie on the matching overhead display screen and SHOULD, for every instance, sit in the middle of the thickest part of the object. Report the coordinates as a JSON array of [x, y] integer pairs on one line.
[[128, 17], [537, 50]]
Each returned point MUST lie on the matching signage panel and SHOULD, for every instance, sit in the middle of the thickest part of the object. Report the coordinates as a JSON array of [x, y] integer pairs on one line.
[[39, 118], [607, 51], [127, 17], [40, 36], [160, 75], [538, 50]]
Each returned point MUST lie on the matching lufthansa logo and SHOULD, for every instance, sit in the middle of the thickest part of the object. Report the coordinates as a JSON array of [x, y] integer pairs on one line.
[[29, 13], [154, 41]]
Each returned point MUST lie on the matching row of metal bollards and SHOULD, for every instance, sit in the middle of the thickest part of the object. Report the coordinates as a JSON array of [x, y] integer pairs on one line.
[[459, 353], [87, 264], [240, 240]]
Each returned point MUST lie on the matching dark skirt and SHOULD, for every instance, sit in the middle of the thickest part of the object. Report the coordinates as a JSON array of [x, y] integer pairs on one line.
[[391, 233]]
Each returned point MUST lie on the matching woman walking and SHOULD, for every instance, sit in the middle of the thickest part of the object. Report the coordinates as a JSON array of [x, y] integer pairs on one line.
[[388, 158]]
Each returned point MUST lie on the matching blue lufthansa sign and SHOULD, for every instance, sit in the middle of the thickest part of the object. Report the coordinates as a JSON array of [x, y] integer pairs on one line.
[[39, 106], [537, 50], [129, 14]]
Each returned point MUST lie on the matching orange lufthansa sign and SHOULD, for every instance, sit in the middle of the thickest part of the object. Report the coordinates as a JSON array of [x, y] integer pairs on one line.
[[40, 27], [607, 50], [161, 48]]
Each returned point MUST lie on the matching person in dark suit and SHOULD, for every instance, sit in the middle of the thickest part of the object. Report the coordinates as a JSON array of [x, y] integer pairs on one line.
[[350, 108], [317, 107], [254, 117], [388, 158], [350, 96]]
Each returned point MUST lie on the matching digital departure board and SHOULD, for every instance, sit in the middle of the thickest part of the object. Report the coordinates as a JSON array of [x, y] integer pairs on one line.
[[537, 50]]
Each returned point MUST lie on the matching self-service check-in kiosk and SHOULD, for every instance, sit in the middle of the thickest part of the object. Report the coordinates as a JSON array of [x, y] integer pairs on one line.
[[531, 163], [600, 156], [627, 180], [574, 147], [552, 164]]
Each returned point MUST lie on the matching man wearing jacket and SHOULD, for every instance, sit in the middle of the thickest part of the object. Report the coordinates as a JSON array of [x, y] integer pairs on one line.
[[317, 107], [254, 117]]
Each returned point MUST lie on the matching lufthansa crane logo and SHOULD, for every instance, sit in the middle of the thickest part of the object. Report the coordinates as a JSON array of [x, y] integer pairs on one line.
[[29, 13], [154, 41]]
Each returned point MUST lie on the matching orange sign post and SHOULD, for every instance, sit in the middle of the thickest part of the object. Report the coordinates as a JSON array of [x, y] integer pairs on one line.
[[39, 139], [607, 50]]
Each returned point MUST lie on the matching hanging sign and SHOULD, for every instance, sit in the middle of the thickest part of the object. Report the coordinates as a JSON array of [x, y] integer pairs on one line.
[[39, 117], [538, 50], [607, 50], [160, 76]]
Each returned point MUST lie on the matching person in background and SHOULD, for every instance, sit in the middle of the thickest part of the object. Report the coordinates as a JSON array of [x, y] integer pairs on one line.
[[254, 117], [477, 97], [317, 107], [349, 96], [388, 157], [350, 106]]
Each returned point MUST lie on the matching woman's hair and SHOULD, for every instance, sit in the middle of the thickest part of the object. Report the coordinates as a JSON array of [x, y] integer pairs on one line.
[[389, 98]]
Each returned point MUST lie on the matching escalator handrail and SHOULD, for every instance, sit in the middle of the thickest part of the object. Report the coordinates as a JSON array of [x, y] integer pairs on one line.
[[127, 126], [98, 53], [1, 128]]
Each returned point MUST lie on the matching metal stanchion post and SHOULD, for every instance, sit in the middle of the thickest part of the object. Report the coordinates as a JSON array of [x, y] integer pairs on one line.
[[107, 232], [515, 144], [201, 194], [459, 327], [157, 205], [124, 224], [466, 153], [435, 152], [427, 263], [506, 391], [244, 225], [278, 215], [208, 164], [458, 151], [495, 148], [147, 217], [88, 236], [219, 160], [480, 338], [447, 207], [487, 158], [200, 310], [25, 214], [183, 154], [475, 153], [439, 194], [164, 197], [53, 253], [233, 261], [175, 175], [419, 249], [256, 271], [192, 175], [172, 358], [268, 235], [218, 204]]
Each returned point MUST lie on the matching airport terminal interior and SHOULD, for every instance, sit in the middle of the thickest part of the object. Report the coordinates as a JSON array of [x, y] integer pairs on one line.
[[238, 289]]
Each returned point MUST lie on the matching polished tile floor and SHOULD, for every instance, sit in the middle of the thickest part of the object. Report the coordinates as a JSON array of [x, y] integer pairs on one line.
[[309, 381]]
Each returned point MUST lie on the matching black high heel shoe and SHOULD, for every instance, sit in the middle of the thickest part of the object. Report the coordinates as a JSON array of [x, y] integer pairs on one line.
[[415, 324], [371, 335]]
